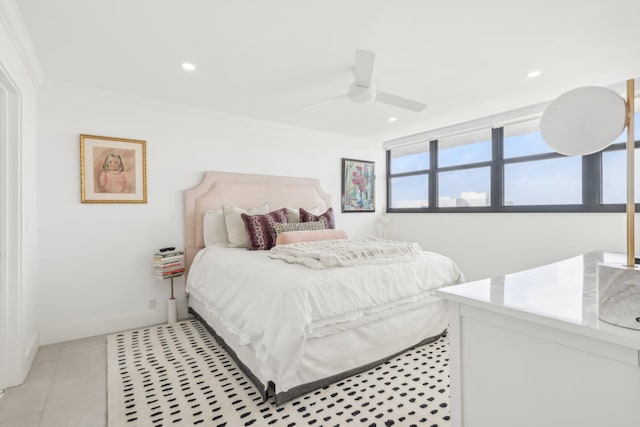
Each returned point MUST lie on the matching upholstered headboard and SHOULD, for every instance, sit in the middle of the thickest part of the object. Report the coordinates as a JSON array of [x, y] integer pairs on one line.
[[244, 191]]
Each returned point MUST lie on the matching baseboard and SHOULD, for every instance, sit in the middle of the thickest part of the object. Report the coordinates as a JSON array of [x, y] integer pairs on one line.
[[29, 355], [18, 372], [31, 350], [92, 328]]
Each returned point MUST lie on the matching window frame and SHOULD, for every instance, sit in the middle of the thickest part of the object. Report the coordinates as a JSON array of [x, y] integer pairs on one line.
[[591, 181]]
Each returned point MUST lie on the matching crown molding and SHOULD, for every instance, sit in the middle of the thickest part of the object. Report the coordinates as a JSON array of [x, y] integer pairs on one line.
[[160, 105], [14, 24]]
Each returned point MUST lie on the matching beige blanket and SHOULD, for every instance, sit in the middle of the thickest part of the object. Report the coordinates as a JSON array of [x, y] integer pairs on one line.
[[345, 253]]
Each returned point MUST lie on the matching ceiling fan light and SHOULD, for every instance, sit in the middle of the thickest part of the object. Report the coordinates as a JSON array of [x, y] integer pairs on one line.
[[362, 94]]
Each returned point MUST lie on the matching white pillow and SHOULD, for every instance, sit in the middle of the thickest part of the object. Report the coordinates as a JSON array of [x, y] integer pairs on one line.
[[293, 215], [214, 228], [236, 232]]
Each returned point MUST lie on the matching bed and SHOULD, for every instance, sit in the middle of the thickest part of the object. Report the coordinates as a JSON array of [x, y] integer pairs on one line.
[[291, 328]]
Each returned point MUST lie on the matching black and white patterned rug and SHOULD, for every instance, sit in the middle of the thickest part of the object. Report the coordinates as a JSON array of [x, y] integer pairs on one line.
[[178, 375]]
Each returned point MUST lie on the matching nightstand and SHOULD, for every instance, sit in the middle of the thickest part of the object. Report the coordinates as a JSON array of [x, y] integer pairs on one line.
[[168, 264]]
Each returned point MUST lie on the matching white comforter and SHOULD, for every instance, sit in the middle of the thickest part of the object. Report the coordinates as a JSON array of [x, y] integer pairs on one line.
[[346, 253], [276, 307]]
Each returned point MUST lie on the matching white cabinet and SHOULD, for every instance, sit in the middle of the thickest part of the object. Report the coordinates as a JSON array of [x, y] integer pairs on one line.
[[527, 349]]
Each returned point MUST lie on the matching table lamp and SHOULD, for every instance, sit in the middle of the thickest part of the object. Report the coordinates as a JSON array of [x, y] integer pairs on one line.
[[583, 121]]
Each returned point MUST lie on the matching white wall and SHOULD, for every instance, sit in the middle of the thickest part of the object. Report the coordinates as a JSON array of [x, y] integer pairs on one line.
[[95, 269], [490, 244]]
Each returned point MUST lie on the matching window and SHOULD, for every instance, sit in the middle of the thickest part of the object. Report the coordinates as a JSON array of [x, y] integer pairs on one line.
[[523, 141], [408, 188], [543, 182], [535, 175], [507, 169], [614, 168], [464, 150], [410, 191], [614, 175], [464, 188], [411, 159], [464, 170]]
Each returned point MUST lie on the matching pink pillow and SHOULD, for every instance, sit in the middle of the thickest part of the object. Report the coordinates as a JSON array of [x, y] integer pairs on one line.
[[309, 236]]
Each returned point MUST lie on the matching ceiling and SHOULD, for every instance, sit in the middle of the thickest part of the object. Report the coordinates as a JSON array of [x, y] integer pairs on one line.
[[266, 59]]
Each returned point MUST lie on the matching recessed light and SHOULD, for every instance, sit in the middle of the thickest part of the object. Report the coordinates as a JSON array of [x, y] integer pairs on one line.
[[534, 73], [188, 66], [392, 119]]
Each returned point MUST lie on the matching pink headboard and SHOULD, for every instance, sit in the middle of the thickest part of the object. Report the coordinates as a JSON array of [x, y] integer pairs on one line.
[[244, 191]]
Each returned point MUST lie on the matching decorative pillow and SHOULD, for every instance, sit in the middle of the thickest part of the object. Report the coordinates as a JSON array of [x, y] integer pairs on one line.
[[293, 215], [297, 226], [214, 229], [327, 217], [309, 236], [260, 228], [236, 232]]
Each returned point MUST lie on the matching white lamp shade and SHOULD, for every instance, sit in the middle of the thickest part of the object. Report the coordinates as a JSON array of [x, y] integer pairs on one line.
[[583, 121]]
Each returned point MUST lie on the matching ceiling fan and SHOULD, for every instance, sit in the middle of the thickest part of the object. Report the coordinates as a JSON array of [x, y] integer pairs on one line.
[[363, 90]]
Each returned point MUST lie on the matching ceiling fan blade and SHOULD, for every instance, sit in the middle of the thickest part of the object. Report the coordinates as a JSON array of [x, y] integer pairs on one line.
[[399, 101], [364, 67], [322, 102]]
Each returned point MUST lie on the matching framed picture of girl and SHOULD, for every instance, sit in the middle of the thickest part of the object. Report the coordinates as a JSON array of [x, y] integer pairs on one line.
[[358, 186], [112, 170]]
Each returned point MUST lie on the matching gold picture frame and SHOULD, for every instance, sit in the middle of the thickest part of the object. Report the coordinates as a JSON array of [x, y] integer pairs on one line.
[[112, 170]]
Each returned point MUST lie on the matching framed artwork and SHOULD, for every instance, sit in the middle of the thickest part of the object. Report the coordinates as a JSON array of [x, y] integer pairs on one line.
[[358, 186], [112, 170]]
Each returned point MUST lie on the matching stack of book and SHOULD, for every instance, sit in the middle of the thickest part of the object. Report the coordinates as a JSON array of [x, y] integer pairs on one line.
[[168, 264]]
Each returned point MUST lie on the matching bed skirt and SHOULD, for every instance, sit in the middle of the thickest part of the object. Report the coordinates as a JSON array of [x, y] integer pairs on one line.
[[262, 389], [268, 389]]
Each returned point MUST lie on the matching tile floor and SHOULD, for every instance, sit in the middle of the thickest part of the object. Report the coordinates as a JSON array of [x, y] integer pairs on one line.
[[66, 387]]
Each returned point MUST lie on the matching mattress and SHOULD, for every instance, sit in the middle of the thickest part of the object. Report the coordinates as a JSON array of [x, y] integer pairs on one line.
[[293, 325]]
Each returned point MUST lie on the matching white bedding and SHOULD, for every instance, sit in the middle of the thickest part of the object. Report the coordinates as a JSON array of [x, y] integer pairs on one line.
[[275, 307], [346, 253]]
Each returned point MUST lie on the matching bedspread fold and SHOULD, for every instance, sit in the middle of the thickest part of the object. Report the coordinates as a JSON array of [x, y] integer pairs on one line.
[[345, 253]]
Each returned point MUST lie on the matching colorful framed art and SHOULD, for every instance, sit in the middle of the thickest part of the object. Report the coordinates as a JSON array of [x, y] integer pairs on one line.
[[358, 186]]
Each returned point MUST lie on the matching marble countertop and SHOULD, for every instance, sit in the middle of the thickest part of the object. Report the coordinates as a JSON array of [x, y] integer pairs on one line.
[[563, 295]]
